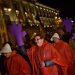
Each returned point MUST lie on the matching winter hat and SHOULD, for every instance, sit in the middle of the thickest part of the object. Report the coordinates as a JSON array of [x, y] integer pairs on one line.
[[56, 35], [6, 49]]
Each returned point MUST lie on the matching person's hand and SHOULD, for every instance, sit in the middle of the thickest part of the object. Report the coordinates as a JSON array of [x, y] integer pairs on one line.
[[28, 74], [42, 64]]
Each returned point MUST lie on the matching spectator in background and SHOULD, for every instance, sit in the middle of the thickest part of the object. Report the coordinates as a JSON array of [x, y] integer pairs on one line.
[[13, 62], [65, 36], [72, 41], [65, 50], [27, 41]]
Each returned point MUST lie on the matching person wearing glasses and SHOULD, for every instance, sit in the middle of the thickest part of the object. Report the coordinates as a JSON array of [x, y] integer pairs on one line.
[[45, 59]]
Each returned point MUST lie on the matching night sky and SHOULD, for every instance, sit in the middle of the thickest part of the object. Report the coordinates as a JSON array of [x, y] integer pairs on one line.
[[66, 7]]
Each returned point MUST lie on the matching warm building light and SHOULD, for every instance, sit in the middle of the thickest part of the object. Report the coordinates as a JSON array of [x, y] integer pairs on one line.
[[9, 9], [5, 9], [59, 18], [56, 13], [47, 25], [47, 9], [44, 9], [36, 6], [26, 14], [56, 17], [40, 8], [17, 11], [31, 25], [44, 26], [37, 25], [52, 11], [50, 25]]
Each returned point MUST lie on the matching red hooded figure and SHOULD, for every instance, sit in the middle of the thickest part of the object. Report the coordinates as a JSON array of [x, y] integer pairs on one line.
[[14, 63], [45, 58], [65, 50]]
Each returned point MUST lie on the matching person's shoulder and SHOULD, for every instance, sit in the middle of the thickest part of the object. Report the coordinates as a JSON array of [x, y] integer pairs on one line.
[[65, 43], [49, 44], [16, 55], [33, 47], [18, 58]]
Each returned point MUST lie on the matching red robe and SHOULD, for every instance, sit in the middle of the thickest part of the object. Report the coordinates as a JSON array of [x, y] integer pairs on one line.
[[43, 53], [16, 65], [66, 51]]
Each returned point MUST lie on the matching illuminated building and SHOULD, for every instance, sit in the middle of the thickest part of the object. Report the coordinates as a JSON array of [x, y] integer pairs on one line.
[[33, 15]]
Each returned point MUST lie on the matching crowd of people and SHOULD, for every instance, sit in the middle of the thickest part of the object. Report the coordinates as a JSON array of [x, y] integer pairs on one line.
[[45, 57]]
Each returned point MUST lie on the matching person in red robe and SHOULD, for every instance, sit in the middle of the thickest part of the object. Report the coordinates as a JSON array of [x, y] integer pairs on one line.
[[65, 50], [44, 57], [14, 63]]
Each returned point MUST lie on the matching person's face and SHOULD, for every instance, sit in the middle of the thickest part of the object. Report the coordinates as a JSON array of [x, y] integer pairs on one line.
[[55, 39], [61, 32], [7, 54], [39, 41]]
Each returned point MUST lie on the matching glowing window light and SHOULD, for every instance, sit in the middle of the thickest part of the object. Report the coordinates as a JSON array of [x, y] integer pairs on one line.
[[56, 17], [17, 11], [36, 6], [31, 25], [5, 9], [52, 11], [51, 26], [59, 18], [37, 25], [44, 9], [56, 13], [47, 9], [26, 14], [44, 26], [40, 8], [9, 9], [47, 25]]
